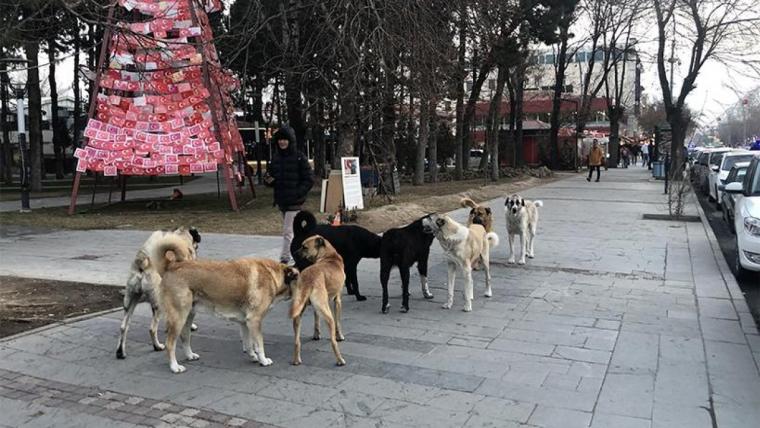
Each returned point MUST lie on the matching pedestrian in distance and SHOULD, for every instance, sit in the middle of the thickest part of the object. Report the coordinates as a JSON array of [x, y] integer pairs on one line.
[[652, 154], [291, 177], [625, 154], [644, 155], [595, 159]]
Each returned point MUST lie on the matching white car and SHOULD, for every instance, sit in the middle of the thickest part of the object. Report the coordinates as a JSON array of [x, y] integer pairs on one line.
[[701, 170], [719, 172], [747, 220]]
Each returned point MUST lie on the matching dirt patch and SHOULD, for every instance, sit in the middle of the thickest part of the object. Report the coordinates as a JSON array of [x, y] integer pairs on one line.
[[30, 303], [211, 213]]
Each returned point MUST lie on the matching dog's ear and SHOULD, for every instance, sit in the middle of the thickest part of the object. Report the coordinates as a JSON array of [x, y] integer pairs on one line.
[[488, 210], [472, 211], [440, 222], [195, 234], [291, 274], [522, 202], [319, 242], [144, 262]]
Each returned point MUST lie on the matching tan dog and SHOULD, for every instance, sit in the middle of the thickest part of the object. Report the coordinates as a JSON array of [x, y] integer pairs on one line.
[[478, 214], [318, 285], [142, 280], [463, 247], [241, 290]]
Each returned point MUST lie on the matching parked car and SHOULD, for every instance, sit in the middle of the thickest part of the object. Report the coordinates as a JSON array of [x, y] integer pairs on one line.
[[747, 220], [728, 200], [702, 167], [718, 173]]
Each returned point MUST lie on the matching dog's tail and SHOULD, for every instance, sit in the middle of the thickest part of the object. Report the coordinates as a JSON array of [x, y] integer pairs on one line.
[[493, 239], [538, 204], [169, 249], [300, 298], [468, 203], [303, 223]]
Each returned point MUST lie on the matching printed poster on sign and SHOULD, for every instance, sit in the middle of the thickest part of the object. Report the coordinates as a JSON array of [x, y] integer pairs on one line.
[[352, 184]]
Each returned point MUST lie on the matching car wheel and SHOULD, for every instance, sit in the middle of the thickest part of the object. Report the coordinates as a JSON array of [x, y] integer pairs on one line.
[[739, 270]]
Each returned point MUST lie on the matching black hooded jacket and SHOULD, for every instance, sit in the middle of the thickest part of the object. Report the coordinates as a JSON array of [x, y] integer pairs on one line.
[[292, 174]]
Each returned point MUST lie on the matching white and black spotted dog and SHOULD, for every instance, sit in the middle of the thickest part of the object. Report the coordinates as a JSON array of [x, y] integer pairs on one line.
[[522, 221]]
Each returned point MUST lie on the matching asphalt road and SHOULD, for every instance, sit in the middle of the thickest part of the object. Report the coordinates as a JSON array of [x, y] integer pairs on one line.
[[750, 286]]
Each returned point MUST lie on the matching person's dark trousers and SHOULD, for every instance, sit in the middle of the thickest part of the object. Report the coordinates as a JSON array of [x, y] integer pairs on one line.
[[591, 171]]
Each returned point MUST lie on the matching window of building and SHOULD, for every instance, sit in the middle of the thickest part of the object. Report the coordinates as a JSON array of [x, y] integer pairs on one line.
[[550, 58], [580, 57]]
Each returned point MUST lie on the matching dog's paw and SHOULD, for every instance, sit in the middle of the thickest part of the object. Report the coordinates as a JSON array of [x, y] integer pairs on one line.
[[360, 298], [159, 346], [177, 368], [316, 336], [530, 256], [404, 309], [341, 362], [521, 262], [467, 307], [511, 260], [296, 361], [386, 308], [446, 305], [340, 337], [426, 294], [254, 357], [120, 354], [488, 293], [193, 356], [265, 361]]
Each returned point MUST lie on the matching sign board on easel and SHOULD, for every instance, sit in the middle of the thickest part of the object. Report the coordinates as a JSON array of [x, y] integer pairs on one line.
[[352, 183]]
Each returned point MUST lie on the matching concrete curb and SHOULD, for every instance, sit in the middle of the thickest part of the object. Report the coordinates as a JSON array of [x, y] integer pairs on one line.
[[63, 322]]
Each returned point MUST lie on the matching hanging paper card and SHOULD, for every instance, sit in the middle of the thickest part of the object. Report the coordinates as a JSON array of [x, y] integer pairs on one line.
[[171, 169], [110, 171], [82, 165], [171, 159], [209, 167], [80, 153]]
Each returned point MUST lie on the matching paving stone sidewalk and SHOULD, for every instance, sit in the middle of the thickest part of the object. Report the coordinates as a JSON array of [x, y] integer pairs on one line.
[[618, 322]]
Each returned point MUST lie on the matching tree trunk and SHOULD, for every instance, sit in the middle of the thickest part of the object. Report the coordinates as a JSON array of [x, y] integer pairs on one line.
[[492, 123], [433, 145], [7, 152], [678, 127], [346, 121], [419, 161], [469, 111], [519, 98], [614, 145], [57, 128], [389, 125], [75, 88], [35, 114], [559, 83], [461, 58]]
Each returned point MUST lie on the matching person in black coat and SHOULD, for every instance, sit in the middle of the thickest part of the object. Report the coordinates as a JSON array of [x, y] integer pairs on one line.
[[291, 177]]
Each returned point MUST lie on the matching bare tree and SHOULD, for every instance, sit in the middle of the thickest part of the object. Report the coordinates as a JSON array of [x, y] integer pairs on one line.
[[725, 31]]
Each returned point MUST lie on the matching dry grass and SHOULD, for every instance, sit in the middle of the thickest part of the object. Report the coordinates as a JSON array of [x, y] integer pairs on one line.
[[257, 216]]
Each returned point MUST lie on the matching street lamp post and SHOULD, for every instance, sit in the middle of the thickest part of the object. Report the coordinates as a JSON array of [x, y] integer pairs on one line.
[[26, 170]]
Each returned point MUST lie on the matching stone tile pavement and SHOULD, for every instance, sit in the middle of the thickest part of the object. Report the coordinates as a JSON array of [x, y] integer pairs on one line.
[[618, 322]]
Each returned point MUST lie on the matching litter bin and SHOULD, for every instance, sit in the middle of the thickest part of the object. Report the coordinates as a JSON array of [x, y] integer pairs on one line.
[[658, 170]]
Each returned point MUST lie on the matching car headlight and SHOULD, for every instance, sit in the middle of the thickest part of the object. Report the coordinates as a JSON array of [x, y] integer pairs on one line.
[[752, 225]]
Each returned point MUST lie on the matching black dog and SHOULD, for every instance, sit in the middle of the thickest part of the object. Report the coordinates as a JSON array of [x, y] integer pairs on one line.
[[404, 247], [353, 243]]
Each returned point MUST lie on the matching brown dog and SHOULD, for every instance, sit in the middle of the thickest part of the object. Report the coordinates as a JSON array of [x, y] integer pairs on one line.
[[478, 214], [319, 284], [241, 290]]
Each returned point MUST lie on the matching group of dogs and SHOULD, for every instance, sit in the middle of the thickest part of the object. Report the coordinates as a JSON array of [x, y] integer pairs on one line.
[[167, 274]]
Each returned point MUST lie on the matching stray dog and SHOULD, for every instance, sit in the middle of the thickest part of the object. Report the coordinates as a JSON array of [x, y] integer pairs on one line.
[[239, 290], [462, 246], [478, 214], [404, 247], [318, 285], [353, 243], [522, 221], [142, 279]]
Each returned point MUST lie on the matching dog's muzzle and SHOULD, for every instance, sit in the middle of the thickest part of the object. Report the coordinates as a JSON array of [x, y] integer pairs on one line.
[[514, 210]]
